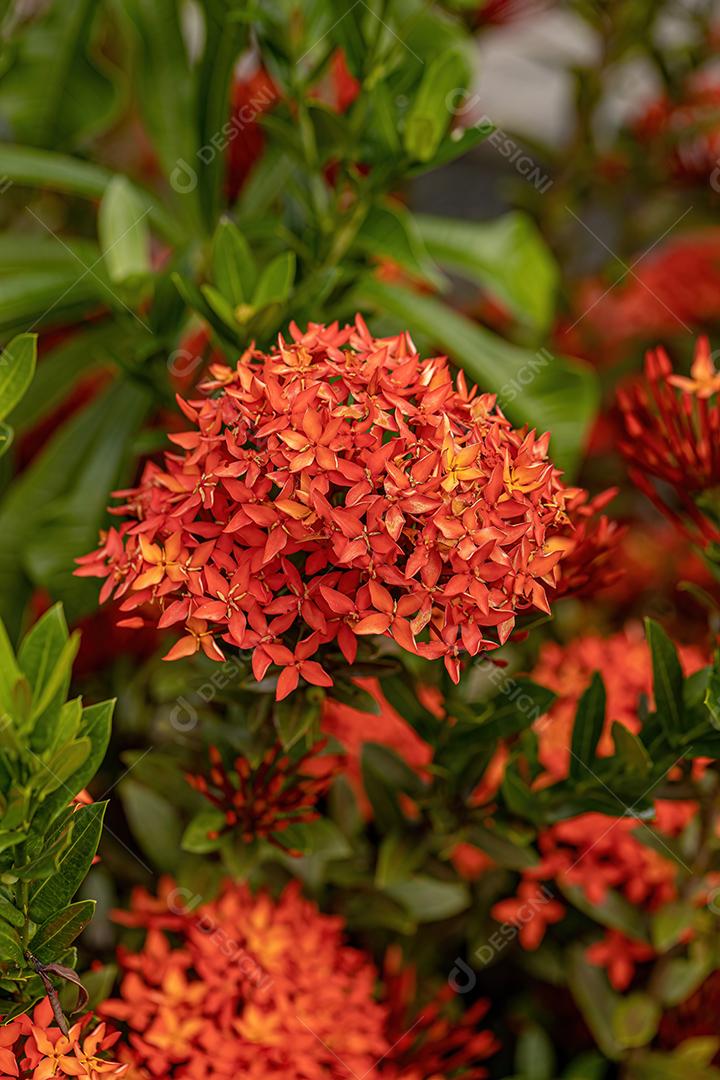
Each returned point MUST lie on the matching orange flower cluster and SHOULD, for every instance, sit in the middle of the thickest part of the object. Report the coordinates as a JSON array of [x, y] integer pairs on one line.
[[268, 989], [339, 486], [33, 1048], [280, 792], [672, 433], [254, 987]]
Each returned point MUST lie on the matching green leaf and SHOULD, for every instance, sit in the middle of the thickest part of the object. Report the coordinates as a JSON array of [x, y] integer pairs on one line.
[[392, 232], [677, 978], [43, 296], [10, 914], [11, 953], [546, 392], [276, 281], [587, 729], [534, 1055], [9, 673], [430, 114], [68, 526], [390, 766], [233, 265], [196, 838], [224, 39], [166, 91], [55, 892], [7, 436], [51, 91], [123, 232], [667, 681], [63, 763], [501, 849], [429, 900], [17, 367], [321, 837], [507, 256], [294, 717], [613, 911], [630, 750], [154, 823], [52, 939], [61, 172], [670, 923], [399, 855], [635, 1020], [596, 1001], [42, 647]]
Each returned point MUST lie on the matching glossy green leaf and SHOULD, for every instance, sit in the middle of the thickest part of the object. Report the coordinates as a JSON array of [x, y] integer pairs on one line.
[[123, 232], [587, 729], [392, 232], [429, 900], [17, 367], [233, 265], [154, 823], [595, 999], [52, 938], [667, 681], [276, 281], [507, 256], [430, 114], [56, 891], [52, 92], [196, 837]]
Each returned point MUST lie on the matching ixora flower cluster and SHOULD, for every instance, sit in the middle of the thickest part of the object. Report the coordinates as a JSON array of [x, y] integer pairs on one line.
[[672, 434], [339, 486], [260, 988], [33, 1047]]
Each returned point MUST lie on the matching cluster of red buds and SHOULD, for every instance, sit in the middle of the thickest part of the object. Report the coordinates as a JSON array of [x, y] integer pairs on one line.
[[335, 487], [672, 434], [257, 803]]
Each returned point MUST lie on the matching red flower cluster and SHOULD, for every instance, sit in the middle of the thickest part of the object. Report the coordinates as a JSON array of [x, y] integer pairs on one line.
[[336, 487], [431, 1045], [594, 853], [263, 801], [675, 286], [688, 130], [33, 1048], [672, 434]]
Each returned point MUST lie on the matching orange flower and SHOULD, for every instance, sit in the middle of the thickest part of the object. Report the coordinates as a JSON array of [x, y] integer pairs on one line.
[[34, 1049], [619, 954], [532, 911], [318, 498]]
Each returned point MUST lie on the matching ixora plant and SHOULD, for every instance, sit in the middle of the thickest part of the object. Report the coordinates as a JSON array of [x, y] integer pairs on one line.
[[335, 488]]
